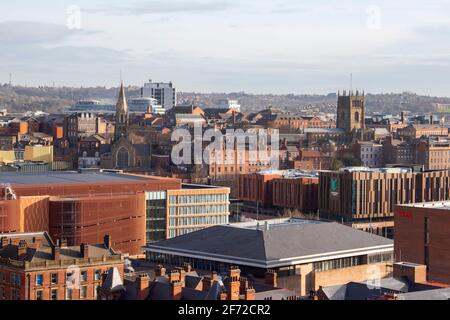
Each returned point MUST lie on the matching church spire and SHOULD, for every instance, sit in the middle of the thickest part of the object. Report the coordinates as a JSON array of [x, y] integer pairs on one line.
[[121, 115], [122, 105]]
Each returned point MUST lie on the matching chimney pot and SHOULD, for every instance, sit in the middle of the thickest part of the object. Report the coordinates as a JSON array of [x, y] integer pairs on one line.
[[107, 241]]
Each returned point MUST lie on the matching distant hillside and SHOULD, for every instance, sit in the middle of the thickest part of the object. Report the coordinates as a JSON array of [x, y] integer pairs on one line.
[[49, 99]]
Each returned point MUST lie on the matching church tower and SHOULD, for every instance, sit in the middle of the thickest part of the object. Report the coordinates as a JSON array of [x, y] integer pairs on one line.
[[121, 115], [350, 111]]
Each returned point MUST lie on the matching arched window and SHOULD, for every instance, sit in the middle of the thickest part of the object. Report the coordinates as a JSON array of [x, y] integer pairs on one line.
[[357, 116], [123, 158]]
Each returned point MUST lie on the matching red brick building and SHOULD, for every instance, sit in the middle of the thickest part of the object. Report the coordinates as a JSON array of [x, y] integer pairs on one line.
[[422, 236], [33, 267], [80, 207], [285, 189]]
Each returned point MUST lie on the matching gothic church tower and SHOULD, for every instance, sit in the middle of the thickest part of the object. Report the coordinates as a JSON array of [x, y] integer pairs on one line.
[[121, 115]]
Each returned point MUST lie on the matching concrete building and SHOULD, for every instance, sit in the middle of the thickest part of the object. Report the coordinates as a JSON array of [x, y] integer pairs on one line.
[[422, 236], [186, 209], [34, 267], [292, 253], [165, 93]]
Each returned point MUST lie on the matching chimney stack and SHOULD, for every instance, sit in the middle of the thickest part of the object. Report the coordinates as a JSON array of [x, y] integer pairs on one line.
[[56, 252], [234, 283], [4, 242], [187, 267], [84, 250], [250, 294], [22, 248], [174, 276], [143, 286], [107, 241], [63, 243], [177, 288], [160, 271], [271, 278]]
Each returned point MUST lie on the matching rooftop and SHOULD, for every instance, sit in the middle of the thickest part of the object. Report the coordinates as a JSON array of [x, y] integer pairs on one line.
[[67, 177], [276, 244], [444, 205]]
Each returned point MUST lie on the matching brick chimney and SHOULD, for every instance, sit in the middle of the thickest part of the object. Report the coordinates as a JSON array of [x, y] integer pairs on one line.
[[174, 276], [187, 267], [22, 248], [223, 296], [143, 286], [250, 294], [4, 242], [107, 241], [160, 271], [176, 289], [182, 276], [56, 252], [244, 285], [234, 283], [63, 243], [84, 250], [271, 278]]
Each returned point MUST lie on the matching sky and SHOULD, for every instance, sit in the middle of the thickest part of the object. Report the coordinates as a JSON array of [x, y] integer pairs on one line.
[[256, 46]]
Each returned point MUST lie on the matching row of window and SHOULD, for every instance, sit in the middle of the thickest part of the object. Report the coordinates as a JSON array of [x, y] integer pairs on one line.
[[192, 221], [191, 210], [202, 198]]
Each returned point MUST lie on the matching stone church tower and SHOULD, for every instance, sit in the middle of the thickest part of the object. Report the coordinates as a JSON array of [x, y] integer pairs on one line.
[[350, 112], [121, 115]]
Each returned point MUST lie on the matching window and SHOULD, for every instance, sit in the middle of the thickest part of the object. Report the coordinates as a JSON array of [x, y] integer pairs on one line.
[[96, 291], [39, 280], [2, 293], [69, 293], [2, 277], [84, 276], [39, 294], [83, 292], [54, 278], [54, 294], [98, 275]]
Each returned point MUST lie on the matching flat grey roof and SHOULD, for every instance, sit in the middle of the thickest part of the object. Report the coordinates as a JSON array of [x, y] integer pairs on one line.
[[65, 177], [280, 245]]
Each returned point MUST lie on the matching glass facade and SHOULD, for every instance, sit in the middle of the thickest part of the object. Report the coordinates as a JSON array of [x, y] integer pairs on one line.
[[193, 212], [156, 216]]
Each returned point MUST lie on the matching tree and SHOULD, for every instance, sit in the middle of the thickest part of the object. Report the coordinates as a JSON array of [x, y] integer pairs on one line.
[[336, 164]]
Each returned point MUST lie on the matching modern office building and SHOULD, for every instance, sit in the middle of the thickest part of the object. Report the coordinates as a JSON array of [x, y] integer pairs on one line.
[[297, 251], [164, 93], [366, 198], [180, 211], [34, 267], [422, 237]]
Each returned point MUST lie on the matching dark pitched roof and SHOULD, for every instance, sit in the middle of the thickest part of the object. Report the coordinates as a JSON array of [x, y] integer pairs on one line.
[[363, 291], [285, 241]]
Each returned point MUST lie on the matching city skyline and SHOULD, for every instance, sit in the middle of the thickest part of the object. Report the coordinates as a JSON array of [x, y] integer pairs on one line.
[[228, 46]]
